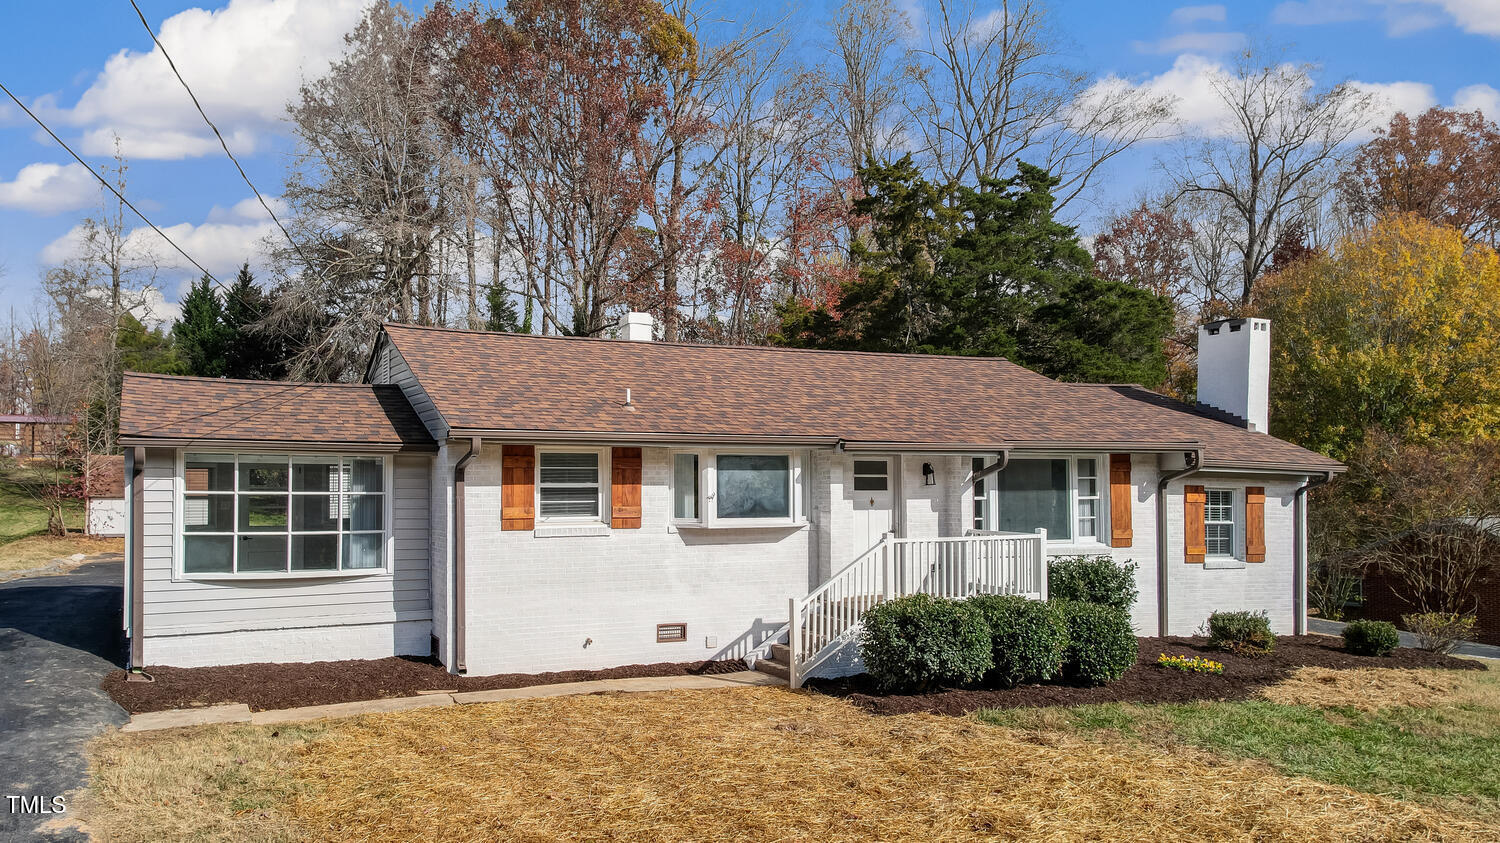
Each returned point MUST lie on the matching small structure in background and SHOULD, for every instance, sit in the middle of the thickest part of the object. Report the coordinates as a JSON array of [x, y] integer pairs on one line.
[[30, 437], [104, 505]]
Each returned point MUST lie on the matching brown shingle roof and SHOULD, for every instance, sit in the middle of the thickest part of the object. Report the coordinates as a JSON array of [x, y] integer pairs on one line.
[[492, 382], [170, 408]]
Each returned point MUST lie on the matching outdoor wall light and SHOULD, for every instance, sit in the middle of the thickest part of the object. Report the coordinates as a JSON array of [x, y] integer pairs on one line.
[[929, 477]]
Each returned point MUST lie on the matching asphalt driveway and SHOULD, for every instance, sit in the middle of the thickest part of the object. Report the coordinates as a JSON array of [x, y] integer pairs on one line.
[[59, 636]]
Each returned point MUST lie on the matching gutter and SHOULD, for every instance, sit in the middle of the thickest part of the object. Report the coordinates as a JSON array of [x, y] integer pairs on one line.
[[460, 664], [136, 459], [1194, 465], [1299, 551]]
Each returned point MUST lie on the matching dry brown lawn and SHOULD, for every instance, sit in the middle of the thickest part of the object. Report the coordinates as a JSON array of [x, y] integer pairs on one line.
[[744, 764], [38, 551], [1367, 689]]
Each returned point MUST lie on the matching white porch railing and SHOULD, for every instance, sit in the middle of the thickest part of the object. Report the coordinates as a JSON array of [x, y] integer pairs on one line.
[[980, 563]]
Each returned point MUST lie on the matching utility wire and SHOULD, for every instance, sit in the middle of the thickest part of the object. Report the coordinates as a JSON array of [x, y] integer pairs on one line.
[[111, 188], [217, 134]]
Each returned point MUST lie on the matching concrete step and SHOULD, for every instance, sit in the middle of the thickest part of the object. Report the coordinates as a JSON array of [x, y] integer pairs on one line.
[[781, 653], [780, 671]]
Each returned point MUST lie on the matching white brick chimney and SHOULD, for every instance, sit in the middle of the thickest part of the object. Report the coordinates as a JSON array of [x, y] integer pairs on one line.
[[637, 326], [1234, 369]]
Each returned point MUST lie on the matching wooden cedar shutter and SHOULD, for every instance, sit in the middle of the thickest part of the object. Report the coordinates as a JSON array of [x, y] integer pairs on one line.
[[1255, 524], [1120, 495], [518, 487], [625, 488], [1196, 543]]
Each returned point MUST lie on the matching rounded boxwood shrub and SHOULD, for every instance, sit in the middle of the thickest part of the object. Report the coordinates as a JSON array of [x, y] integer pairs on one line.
[[1371, 638], [1093, 579], [1243, 633], [1101, 644], [919, 642], [1028, 638]]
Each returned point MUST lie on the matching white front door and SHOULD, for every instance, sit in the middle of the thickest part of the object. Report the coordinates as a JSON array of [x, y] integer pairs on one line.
[[874, 498]]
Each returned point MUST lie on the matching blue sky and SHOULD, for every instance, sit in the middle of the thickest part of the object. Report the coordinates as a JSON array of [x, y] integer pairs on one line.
[[89, 70]]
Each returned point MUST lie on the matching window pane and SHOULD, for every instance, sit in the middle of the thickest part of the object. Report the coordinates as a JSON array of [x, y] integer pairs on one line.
[[1088, 518], [569, 502], [864, 483], [262, 513], [260, 473], [262, 554], [208, 513], [366, 475], [362, 551], [869, 467], [315, 475], [366, 512], [315, 553], [1220, 539], [754, 486], [976, 466], [313, 513], [562, 467], [209, 472], [685, 486], [870, 476], [207, 554], [1088, 487], [1034, 493]]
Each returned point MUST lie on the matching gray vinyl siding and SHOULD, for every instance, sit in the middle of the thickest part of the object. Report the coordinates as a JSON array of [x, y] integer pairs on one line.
[[192, 607], [390, 367]]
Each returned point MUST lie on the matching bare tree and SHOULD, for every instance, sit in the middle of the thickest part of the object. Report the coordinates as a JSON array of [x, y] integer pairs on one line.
[[863, 87], [991, 90], [1271, 164]]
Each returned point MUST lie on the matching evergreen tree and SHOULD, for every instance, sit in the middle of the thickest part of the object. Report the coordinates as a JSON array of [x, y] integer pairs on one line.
[[253, 351], [502, 311], [201, 337]]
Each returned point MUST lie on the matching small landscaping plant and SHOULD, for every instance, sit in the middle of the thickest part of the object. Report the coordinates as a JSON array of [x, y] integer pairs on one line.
[[1440, 632], [1371, 638], [1242, 633], [1190, 664], [1028, 638], [1093, 579], [918, 643], [1101, 644]]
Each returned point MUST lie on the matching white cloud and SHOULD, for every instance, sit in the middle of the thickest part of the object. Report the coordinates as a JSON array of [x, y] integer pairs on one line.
[[245, 62], [1189, 15], [50, 188], [1207, 43], [1388, 98], [1478, 98], [1401, 17]]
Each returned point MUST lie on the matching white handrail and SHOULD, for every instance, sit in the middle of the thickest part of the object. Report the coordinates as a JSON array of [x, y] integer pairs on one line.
[[951, 567]]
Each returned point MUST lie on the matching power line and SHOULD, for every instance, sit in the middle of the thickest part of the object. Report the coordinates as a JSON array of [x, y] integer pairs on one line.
[[111, 188], [217, 134]]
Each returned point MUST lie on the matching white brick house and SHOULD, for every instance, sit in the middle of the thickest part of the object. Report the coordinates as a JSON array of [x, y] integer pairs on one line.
[[521, 504]]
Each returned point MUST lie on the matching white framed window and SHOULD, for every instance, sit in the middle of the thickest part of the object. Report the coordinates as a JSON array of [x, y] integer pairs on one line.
[[980, 499], [872, 475], [1086, 501], [740, 488], [569, 485], [252, 515], [1219, 527], [1062, 494]]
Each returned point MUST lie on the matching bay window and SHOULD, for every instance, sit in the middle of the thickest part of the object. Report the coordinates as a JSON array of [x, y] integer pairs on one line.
[[1059, 494], [272, 514]]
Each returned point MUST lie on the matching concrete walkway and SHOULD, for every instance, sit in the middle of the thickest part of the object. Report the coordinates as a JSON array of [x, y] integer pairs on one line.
[[59, 636], [240, 713], [1483, 651]]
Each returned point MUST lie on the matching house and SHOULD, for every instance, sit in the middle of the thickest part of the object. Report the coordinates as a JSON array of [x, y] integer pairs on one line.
[[1386, 596], [520, 503], [31, 436]]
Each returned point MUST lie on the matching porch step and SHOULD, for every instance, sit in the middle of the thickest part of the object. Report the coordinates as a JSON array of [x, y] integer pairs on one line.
[[780, 670], [781, 653]]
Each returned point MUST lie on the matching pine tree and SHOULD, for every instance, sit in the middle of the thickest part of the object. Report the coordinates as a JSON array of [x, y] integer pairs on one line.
[[252, 351], [502, 311], [201, 337]]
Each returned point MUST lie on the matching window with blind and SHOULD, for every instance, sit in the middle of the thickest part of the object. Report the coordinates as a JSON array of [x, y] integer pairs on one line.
[[568, 486], [1219, 524], [258, 515]]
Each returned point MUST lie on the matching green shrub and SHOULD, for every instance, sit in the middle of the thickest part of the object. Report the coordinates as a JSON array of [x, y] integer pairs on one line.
[[1371, 638], [1028, 638], [919, 642], [1440, 632], [1243, 633], [1093, 579], [1101, 644]]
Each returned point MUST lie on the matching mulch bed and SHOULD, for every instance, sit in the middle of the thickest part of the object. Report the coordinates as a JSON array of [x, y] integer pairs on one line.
[[1146, 683], [266, 687]]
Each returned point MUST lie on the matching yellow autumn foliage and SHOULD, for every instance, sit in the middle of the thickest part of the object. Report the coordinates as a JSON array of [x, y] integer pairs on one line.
[[1397, 328]]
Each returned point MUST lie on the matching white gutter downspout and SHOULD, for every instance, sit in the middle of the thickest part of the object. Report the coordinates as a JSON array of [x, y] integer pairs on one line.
[[1194, 465], [1299, 551]]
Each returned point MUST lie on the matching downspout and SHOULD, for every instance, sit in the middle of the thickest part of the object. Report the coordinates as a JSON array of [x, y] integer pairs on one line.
[[460, 665], [1299, 551], [137, 465], [1194, 465]]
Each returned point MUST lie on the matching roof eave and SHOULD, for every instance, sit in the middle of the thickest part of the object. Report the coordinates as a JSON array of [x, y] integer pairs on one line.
[[278, 444]]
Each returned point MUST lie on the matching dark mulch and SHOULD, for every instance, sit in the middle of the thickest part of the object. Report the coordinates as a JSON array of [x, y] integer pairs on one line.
[[264, 687], [1146, 683]]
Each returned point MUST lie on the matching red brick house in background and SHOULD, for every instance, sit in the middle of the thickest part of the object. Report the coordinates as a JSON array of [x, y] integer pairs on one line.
[[1383, 600]]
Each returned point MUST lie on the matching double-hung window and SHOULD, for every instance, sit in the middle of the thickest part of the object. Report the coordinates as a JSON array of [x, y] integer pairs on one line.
[[1219, 526], [260, 515], [568, 487], [1087, 486]]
